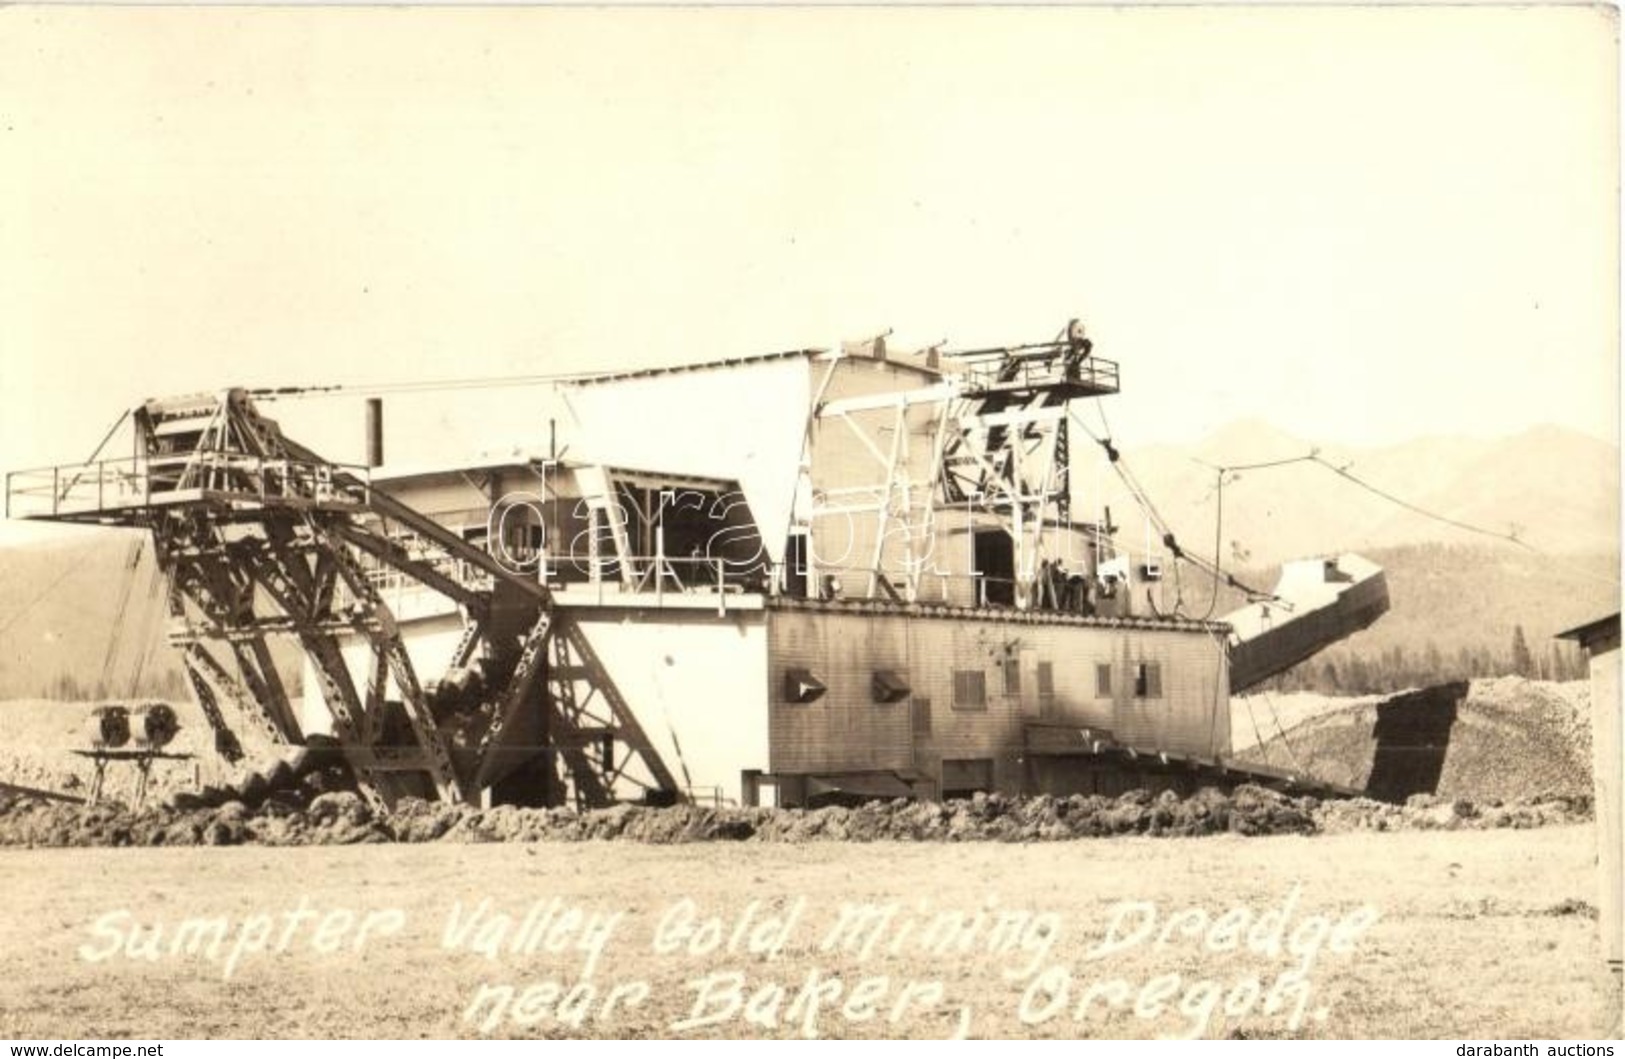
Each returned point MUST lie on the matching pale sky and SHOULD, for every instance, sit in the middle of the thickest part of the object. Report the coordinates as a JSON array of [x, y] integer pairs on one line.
[[1360, 224]]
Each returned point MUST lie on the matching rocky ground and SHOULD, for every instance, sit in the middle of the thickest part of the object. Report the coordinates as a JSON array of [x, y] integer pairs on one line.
[[342, 818]]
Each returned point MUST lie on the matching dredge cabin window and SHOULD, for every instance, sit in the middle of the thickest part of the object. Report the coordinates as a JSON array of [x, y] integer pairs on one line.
[[970, 689], [1012, 676], [921, 710], [1147, 680], [1103, 680]]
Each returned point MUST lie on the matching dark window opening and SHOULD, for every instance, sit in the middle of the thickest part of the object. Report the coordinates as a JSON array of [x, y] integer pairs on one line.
[[970, 689], [1103, 680], [996, 562], [795, 566], [963, 778], [921, 708], [1148, 680], [522, 541]]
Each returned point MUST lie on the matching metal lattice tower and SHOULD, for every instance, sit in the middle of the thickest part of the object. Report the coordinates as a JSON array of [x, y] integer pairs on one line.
[[998, 446]]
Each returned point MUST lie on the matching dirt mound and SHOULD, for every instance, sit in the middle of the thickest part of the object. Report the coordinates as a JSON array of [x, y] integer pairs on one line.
[[343, 818], [1427, 813], [1508, 739]]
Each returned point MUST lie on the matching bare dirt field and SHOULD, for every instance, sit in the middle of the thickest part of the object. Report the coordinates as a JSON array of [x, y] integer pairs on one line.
[[1466, 934]]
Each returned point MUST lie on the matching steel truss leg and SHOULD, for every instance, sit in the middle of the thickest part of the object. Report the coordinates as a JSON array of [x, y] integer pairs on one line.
[[596, 734], [532, 659], [387, 640]]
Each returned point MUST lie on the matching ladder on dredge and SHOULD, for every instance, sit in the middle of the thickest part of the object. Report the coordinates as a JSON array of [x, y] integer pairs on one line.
[[257, 536]]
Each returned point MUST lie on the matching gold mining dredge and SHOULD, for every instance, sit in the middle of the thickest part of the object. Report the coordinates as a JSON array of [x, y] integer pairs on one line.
[[769, 580]]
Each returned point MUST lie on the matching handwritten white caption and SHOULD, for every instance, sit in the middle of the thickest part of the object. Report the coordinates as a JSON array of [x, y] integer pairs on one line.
[[767, 967]]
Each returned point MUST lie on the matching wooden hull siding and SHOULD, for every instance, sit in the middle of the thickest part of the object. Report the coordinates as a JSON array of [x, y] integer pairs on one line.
[[975, 682], [969, 688]]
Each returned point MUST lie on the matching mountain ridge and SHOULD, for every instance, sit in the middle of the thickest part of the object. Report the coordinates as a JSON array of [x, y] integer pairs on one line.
[[1551, 488]]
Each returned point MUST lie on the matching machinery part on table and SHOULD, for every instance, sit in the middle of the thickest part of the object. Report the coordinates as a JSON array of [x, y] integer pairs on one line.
[[109, 727], [153, 725]]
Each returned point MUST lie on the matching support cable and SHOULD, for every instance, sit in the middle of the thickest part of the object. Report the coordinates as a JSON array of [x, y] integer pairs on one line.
[[73, 567], [118, 639], [1141, 498]]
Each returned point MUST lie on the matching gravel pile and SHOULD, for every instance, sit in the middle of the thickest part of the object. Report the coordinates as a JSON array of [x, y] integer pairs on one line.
[[1512, 740], [343, 818], [1427, 813], [1515, 738]]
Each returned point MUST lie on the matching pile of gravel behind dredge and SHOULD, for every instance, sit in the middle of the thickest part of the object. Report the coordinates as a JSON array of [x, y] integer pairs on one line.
[[1509, 738], [343, 818]]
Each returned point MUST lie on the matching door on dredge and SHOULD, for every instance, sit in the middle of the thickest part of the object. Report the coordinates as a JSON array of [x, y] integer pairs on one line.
[[996, 563]]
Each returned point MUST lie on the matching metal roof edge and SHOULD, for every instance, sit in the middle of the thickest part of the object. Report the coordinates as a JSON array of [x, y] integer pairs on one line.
[[996, 614]]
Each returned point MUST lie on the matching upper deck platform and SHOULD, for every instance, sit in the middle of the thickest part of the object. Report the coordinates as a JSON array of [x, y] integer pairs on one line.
[[125, 491], [1043, 369]]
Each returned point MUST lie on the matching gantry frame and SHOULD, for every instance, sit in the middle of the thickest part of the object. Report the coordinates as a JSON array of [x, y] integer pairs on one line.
[[996, 444]]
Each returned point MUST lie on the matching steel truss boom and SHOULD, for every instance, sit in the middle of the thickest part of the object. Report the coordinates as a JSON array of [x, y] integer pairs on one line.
[[258, 536]]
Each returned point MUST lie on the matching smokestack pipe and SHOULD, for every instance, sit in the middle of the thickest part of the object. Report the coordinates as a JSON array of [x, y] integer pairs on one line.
[[375, 432]]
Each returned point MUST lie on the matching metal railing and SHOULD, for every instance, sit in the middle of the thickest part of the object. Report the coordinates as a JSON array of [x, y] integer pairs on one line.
[[656, 576], [133, 482], [1092, 373], [662, 580]]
